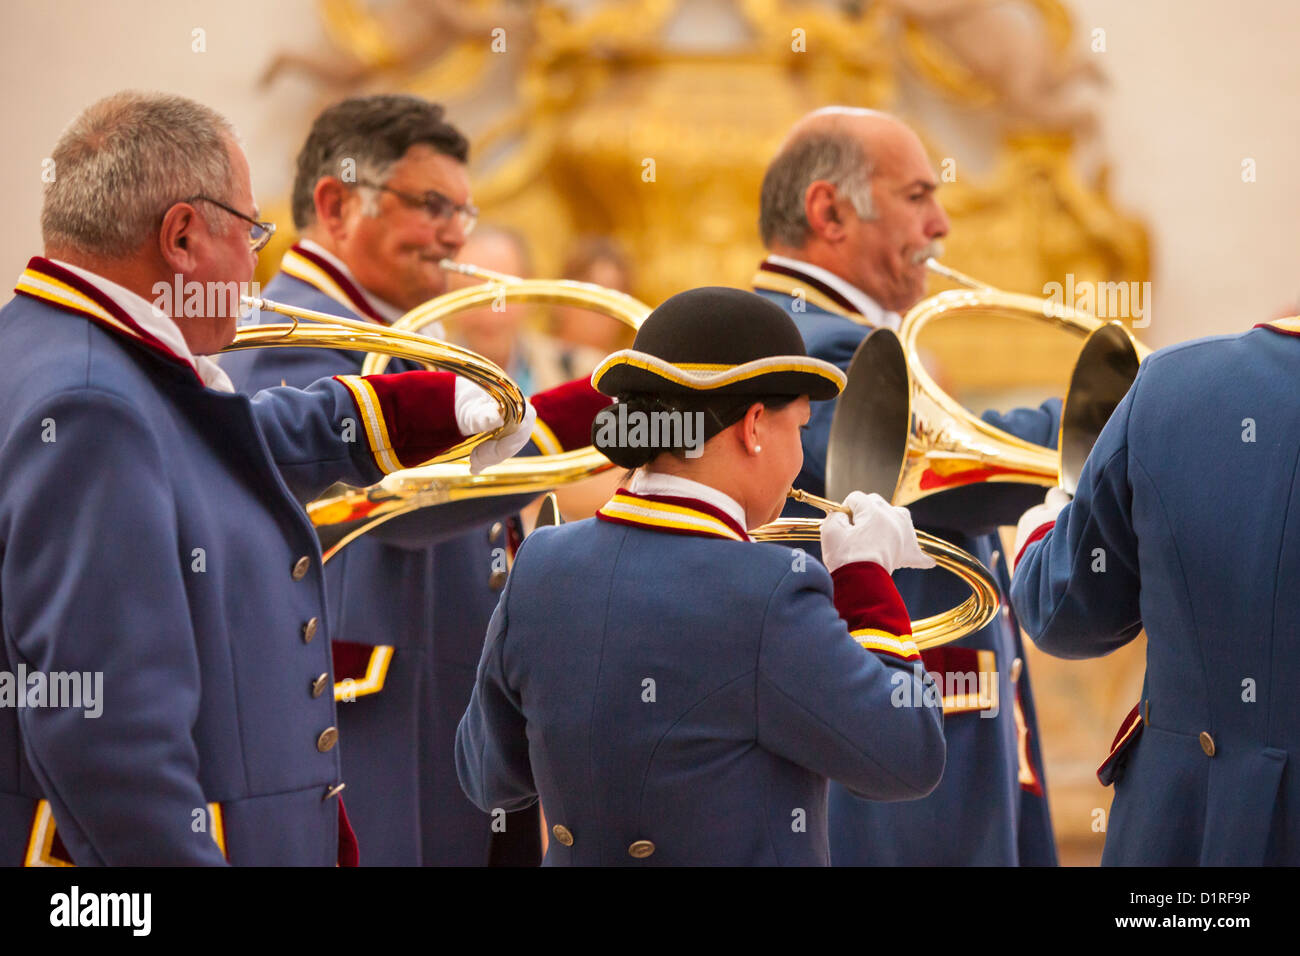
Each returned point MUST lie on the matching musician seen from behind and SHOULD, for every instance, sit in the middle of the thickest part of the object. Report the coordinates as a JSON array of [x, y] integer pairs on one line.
[[674, 692], [1184, 524], [849, 214]]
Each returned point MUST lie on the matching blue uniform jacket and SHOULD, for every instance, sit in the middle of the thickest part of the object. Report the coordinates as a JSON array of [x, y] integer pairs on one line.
[[681, 700], [425, 586], [990, 809], [1183, 524], [150, 532]]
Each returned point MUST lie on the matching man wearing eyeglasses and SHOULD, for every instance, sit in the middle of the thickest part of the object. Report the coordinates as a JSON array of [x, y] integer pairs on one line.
[[165, 623], [381, 196]]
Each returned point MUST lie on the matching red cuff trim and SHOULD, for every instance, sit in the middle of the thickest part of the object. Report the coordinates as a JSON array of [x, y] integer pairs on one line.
[[866, 598], [568, 411], [409, 417], [1039, 533]]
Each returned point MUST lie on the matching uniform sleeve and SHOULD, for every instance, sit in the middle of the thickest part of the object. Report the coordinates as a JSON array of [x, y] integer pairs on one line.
[[1076, 587], [1041, 425], [92, 585], [564, 417], [848, 699], [356, 429], [491, 742]]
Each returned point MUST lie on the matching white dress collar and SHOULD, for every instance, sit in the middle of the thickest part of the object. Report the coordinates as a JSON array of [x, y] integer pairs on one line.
[[660, 483], [867, 306]]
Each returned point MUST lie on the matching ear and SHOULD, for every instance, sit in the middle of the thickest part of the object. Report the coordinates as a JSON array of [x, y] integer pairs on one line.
[[820, 206], [182, 231], [752, 427], [333, 200]]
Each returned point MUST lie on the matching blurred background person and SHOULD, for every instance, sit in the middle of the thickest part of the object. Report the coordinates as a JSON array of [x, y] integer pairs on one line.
[[588, 336], [498, 331]]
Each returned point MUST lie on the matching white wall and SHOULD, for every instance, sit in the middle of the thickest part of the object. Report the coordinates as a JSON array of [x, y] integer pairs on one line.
[[1196, 87], [58, 56]]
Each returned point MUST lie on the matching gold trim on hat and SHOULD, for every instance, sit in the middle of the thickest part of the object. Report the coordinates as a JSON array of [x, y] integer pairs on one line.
[[705, 376]]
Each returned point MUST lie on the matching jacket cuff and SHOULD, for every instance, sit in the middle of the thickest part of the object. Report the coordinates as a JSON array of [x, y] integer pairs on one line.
[[866, 598], [1038, 534], [409, 417], [565, 415]]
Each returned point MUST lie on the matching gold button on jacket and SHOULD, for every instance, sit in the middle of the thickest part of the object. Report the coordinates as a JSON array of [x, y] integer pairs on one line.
[[309, 630], [641, 849], [319, 684], [327, 739], [562, 834], [300, 567], [1207, 743]]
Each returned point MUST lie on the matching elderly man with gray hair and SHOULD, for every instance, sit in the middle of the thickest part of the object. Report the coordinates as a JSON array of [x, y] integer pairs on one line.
[[151, 537], [849, 214]]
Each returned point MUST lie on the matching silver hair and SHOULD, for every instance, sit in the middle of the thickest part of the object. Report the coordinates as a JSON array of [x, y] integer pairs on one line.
[[836, 157], [124, 161]]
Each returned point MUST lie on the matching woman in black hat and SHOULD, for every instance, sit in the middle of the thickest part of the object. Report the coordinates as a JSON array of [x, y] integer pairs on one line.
[[674, 692]]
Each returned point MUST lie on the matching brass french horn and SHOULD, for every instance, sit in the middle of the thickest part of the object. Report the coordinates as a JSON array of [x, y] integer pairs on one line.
[[341, 518], [972, 614], [335, 332], [322, 330], [923, 449]]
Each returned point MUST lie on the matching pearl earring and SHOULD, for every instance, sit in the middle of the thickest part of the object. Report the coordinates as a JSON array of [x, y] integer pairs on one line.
[[757, 449]]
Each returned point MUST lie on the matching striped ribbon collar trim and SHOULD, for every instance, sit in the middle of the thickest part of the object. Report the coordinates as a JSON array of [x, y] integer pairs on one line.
[[321, 274], [773, 277], [1289, 326], [688, 516], [50, 283]]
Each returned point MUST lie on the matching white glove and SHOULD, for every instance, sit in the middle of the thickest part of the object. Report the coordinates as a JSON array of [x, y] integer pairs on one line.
[[879, 533], [477, 411], [1036, 517]]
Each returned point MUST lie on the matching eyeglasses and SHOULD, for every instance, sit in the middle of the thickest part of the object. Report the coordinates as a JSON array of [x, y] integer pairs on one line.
[[259, 233], [435, 204]]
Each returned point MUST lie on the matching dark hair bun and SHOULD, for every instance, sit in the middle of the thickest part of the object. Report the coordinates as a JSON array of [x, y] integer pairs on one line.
[[609, 437]]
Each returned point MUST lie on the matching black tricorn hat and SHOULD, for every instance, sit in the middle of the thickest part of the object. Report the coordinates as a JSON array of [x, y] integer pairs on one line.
[[717, 341]]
